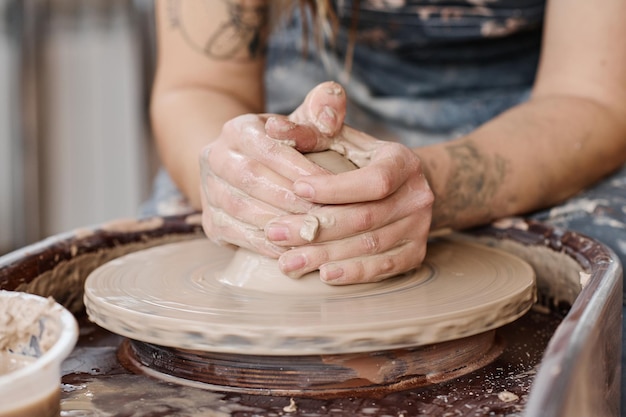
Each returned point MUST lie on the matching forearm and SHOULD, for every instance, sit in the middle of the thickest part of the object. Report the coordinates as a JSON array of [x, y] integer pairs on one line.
[[209, 70], [531, 157], [184, 121]]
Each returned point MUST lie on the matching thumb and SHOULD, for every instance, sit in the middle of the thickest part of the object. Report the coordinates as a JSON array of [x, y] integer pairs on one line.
[[324, 108]]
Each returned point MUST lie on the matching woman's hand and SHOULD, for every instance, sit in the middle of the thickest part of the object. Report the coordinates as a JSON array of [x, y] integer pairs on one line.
[[366, 225], [247, 176]]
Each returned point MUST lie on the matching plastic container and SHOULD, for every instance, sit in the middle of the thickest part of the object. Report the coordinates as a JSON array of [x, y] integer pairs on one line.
[[36, 335]]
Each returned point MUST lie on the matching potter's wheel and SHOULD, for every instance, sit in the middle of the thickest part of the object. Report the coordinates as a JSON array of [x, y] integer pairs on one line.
[[173, 296], [226, 318], [197, 303]]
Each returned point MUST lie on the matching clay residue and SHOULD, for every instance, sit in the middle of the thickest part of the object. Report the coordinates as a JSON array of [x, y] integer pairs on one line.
[[584, 278], [494, 28], [291, 408], [359, 157], [309, 228], [584, 205], [27, 327], [507, 397], [128, 394], [511, 223]]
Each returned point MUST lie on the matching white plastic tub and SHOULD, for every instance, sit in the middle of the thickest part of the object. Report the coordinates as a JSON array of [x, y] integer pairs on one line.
[[36, 335]]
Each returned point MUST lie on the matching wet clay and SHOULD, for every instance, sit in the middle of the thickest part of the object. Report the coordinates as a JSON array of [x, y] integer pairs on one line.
[[184, 295], [332, 161], [36, 335], [21, 322]]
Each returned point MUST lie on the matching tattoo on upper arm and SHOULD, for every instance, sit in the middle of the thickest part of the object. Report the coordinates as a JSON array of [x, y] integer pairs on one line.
[[242, 36], [475, 180]]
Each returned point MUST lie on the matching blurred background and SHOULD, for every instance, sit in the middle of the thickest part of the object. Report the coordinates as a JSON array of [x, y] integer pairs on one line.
[[75, 145]]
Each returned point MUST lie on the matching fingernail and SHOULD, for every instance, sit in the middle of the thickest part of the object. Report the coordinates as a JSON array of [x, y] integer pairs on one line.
[[331, 273], [326, 120], [303, 189], [290, 263], [277, 232]]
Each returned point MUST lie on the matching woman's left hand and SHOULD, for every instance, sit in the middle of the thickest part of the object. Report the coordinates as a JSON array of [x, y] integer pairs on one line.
[[372, 223]]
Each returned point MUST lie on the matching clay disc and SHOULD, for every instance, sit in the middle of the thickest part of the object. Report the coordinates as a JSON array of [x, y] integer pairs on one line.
[[181, 295]]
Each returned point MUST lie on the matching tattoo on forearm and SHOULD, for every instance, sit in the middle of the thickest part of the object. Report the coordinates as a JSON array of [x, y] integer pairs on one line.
[[243, 36], [475, 180]]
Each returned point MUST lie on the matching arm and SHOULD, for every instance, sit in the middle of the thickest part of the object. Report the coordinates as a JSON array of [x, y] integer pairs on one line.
[[571, 132], [206, 114], [209, 71]]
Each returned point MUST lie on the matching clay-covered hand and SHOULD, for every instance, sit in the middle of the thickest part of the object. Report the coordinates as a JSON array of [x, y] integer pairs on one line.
[[370, 224], [247, 175]]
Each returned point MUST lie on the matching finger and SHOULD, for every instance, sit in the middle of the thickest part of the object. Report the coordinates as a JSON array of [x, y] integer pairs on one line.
[[223, 229], [302, 260], [246, 135], [292, 230], [324, 107], [277, 151], [254, 178], [333, 222], [242, 207], [374, 268], [388, 169], [303, 136]]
